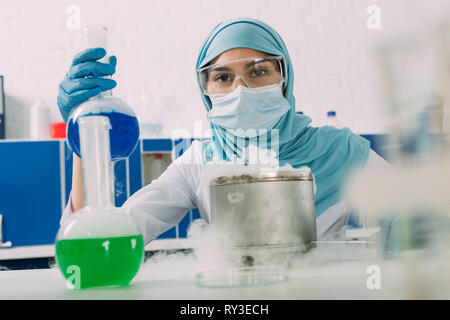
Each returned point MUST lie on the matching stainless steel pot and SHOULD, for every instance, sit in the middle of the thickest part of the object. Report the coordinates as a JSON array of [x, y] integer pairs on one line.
[[271, 210]]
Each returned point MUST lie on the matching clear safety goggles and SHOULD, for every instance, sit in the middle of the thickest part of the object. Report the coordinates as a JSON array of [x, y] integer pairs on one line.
[[255, 72]]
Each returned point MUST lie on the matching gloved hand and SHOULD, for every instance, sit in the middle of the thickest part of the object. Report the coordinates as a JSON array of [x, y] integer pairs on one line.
[[83, 79]]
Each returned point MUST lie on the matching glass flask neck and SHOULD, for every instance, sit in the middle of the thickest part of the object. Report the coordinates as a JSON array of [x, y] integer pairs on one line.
[[97, 36], [98, 170]]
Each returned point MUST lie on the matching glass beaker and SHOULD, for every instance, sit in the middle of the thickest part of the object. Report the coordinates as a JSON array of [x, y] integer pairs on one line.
[[124, 134], [99, 245]]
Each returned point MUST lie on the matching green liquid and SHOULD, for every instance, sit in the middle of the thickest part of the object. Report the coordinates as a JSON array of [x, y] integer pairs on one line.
[[100, 261]]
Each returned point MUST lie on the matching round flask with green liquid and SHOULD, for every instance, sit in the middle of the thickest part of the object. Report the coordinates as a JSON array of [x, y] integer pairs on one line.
[[99, 245]]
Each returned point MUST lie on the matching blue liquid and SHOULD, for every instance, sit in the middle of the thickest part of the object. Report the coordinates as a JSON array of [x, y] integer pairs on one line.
[[123, 136]]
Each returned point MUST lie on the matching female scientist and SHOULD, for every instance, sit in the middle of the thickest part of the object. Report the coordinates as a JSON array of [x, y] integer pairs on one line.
[[246, 82]]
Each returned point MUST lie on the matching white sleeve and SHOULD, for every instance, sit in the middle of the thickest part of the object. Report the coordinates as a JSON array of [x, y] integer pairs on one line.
[[160, 205]]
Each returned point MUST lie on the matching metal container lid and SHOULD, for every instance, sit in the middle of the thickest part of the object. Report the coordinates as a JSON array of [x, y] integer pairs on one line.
[[263, 177]]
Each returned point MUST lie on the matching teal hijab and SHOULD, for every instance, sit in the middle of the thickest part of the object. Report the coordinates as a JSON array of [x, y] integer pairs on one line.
[[332, 154]]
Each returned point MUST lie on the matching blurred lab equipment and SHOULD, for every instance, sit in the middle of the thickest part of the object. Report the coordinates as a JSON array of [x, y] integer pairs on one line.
[[266, 210], [435, 113], [358, 228], [2, 108], [58, 130], [154, 165], [39, 121], [412, 197], [158, 166], [260, 221], [99, 245], [242, 277], [124, 134]]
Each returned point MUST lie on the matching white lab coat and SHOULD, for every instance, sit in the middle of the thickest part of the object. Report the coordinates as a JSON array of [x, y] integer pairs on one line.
[[161, 205]]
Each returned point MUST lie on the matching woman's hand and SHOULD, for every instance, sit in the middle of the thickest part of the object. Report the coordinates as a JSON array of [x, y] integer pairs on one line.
[[84, 79]]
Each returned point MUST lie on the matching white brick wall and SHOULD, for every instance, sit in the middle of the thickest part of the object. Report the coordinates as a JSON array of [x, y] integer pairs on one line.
[[157, 42]]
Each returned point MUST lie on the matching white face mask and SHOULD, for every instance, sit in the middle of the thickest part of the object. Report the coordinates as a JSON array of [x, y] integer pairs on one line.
[[249, 110]]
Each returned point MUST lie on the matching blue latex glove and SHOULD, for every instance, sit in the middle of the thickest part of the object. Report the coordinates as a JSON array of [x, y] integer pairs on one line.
[[84, 81]]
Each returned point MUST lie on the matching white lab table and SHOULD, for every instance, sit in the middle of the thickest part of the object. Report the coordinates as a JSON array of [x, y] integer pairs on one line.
[[342, 277], [322, 283]]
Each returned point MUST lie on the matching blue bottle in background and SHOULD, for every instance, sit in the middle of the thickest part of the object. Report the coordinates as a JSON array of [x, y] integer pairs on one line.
[[332, 119]]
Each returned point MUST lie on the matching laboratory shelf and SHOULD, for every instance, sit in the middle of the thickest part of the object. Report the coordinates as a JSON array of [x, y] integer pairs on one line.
[[154, 145], [30, 191]]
